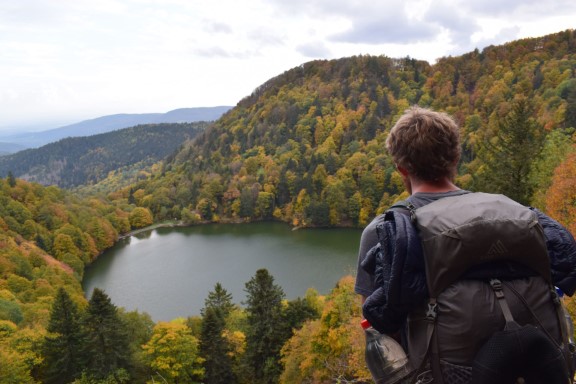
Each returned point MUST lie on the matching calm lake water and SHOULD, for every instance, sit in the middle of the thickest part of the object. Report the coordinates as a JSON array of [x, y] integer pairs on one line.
[[168, 272]]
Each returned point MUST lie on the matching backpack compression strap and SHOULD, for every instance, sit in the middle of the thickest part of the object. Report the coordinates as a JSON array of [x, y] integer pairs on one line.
[[511, 324]]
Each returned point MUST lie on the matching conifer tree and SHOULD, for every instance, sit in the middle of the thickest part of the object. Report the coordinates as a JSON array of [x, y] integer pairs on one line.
[[220, 299], [509, 158], [107, 344], [296, 313], [63, 360], [264, 337], [214, 347], [11, 179]]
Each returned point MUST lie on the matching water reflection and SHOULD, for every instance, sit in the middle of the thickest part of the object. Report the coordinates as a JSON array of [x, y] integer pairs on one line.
[[168, 272]]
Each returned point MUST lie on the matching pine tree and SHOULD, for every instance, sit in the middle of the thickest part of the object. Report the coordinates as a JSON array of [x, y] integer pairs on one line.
[[63, 360], [214, 348], [519, 141], [296, 313], [106, 337], [264, 337], [11, 179], [220, 299]]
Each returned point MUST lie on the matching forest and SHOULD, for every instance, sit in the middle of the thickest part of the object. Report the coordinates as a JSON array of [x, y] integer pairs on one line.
[[306, 148], [77, 161]]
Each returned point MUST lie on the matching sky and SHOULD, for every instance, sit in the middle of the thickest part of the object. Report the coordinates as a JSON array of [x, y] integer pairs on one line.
[[64, 61]]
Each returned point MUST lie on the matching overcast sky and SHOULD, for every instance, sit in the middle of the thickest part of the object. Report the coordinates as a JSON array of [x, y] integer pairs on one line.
[[63, 61]]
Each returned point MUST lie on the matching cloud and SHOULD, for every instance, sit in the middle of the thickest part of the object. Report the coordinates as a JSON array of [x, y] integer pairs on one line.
[[503, 36], [496, 8], [265, 37], [457, 23], [314, 50], [137, 55], [369, 22], [213, 52], [392, 30], [216, 27]]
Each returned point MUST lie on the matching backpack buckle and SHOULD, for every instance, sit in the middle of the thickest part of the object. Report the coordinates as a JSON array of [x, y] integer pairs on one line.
[[497, 288], [432, 311]]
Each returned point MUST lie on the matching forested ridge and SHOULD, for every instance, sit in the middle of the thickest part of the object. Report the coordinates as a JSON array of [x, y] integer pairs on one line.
[[307, 147], [76, 161]]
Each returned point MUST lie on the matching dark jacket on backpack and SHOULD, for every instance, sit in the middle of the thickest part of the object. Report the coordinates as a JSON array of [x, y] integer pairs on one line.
[[401, 281]]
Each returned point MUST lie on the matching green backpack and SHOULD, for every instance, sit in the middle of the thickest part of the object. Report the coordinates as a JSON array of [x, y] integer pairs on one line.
[[486, 329]]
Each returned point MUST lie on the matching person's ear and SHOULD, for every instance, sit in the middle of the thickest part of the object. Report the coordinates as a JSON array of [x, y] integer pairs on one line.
[[402, 170]]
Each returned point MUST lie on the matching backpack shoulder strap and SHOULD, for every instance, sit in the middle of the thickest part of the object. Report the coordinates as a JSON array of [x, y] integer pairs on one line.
[[405, 207]]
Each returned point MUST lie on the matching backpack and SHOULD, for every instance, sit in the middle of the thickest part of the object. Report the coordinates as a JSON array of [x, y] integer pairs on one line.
[[481, 323]]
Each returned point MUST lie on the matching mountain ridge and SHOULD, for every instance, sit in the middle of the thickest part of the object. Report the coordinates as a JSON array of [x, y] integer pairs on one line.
[[75, 161], [14, 142], [308, 146]]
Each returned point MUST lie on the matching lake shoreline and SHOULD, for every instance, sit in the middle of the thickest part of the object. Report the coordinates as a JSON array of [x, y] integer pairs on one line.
[[181, 224]]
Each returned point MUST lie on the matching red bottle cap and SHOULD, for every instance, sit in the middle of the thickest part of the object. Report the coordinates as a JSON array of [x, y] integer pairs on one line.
[[365, 324]]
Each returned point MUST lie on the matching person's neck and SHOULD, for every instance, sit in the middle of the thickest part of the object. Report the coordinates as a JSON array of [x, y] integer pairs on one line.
[[444, 185]]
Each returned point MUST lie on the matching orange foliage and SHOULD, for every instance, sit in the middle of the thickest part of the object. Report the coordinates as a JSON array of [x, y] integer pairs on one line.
[[561, 196]]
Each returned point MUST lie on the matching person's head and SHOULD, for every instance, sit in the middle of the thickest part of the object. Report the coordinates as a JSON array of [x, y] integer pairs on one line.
[[426, 144]]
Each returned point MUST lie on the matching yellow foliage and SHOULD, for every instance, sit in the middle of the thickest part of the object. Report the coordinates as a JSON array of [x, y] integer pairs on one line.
[[173, 351], [330, 349], [237, 342]]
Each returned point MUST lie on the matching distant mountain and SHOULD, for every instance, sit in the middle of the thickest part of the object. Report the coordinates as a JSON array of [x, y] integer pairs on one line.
[[109, 123], [76, 161], [8, 148]]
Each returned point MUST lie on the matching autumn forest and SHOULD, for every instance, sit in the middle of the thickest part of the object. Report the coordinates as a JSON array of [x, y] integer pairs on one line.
[[305, 148]]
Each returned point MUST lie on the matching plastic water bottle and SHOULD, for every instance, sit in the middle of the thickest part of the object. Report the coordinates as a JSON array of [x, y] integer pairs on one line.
[[385, 358], [567, 317], [569, 327]]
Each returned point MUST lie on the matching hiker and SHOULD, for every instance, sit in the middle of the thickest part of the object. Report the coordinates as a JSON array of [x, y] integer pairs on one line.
[[425, 147]]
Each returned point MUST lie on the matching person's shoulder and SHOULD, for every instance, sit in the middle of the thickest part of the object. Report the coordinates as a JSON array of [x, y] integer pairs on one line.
[[374, 223]]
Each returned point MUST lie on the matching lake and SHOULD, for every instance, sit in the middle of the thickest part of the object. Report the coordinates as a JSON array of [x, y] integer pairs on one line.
[[168, 272]]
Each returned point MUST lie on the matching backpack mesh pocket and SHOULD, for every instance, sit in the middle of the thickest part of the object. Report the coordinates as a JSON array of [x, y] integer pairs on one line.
[[455, 374]]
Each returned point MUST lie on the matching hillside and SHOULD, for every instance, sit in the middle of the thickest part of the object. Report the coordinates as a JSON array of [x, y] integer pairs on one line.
[[307, 147], [109, 123], [87, 160], [8, 148]]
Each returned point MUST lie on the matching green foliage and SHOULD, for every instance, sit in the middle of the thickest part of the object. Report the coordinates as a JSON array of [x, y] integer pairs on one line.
[[11, 179], [219, 299], [75, 161], [106, 337], [10, 310], [559, 144], [139, 328], [214, 346], [14, 368], [510, 154], [120, 376], [264, 337], [308, 148], [297, 312], [215, 349], [63, 346]]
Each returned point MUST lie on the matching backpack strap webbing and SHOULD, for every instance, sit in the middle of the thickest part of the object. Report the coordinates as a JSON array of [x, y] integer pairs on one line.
[[431, 355], [499, 292]]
